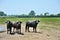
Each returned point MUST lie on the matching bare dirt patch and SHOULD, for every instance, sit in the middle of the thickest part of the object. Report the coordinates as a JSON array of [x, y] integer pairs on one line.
[[40, 35]]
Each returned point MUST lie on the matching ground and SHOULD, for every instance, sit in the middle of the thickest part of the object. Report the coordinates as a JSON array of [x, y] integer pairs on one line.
[[40, 35]]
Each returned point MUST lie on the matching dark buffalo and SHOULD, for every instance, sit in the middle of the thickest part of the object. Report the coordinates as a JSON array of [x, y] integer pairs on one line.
[[31, 24], [9, 26], [17, 26]]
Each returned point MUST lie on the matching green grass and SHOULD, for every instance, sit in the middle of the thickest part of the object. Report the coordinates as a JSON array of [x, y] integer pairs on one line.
[[46, 23]]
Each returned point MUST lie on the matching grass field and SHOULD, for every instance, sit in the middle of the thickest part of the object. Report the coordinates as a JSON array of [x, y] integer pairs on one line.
[[47, 29], [45, 23]]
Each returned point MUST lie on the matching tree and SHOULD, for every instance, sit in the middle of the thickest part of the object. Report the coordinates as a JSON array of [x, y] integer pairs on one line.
[[23, 15], [2, 13], [52, 15], [32, 13], [41, 14], [46, 14], [58, 14]]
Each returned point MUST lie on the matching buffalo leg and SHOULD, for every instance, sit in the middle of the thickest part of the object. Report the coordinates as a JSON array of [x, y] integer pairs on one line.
[[20, 30], [28, 29], [35, 29], [7, 30], [10, 30], [25, 28], [13, 30]]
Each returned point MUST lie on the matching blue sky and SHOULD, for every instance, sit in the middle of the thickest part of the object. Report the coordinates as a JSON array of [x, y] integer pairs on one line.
[[18, 7]]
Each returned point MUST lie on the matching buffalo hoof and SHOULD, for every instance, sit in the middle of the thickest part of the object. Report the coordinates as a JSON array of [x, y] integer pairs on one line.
[[21, 33], [12, 33], [28, 31]]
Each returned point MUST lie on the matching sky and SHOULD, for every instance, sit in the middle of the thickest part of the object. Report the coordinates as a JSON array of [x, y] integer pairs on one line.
[[18, 7]]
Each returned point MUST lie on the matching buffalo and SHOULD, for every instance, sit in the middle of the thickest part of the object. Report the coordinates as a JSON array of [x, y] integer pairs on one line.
[[31, 24], [9, 26], [16, 25]]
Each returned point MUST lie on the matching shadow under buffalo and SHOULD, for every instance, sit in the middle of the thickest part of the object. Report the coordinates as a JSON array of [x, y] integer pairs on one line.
[[17, 33], [12, 33], [36, 32], [21, 33]]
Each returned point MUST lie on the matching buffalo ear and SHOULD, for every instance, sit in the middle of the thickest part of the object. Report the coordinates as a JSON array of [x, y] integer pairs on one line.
[[20, 22], [17, 22], [38, 21]]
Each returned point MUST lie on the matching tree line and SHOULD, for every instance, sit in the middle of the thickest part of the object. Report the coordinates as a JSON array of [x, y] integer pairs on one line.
[[31, 14]]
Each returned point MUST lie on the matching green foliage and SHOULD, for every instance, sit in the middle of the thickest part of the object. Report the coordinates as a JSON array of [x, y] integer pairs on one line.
[[45, 23], [41, 14], [50, 23], [2, 13], [2, 20], [32, 13], [58, 14], [46, 14]]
